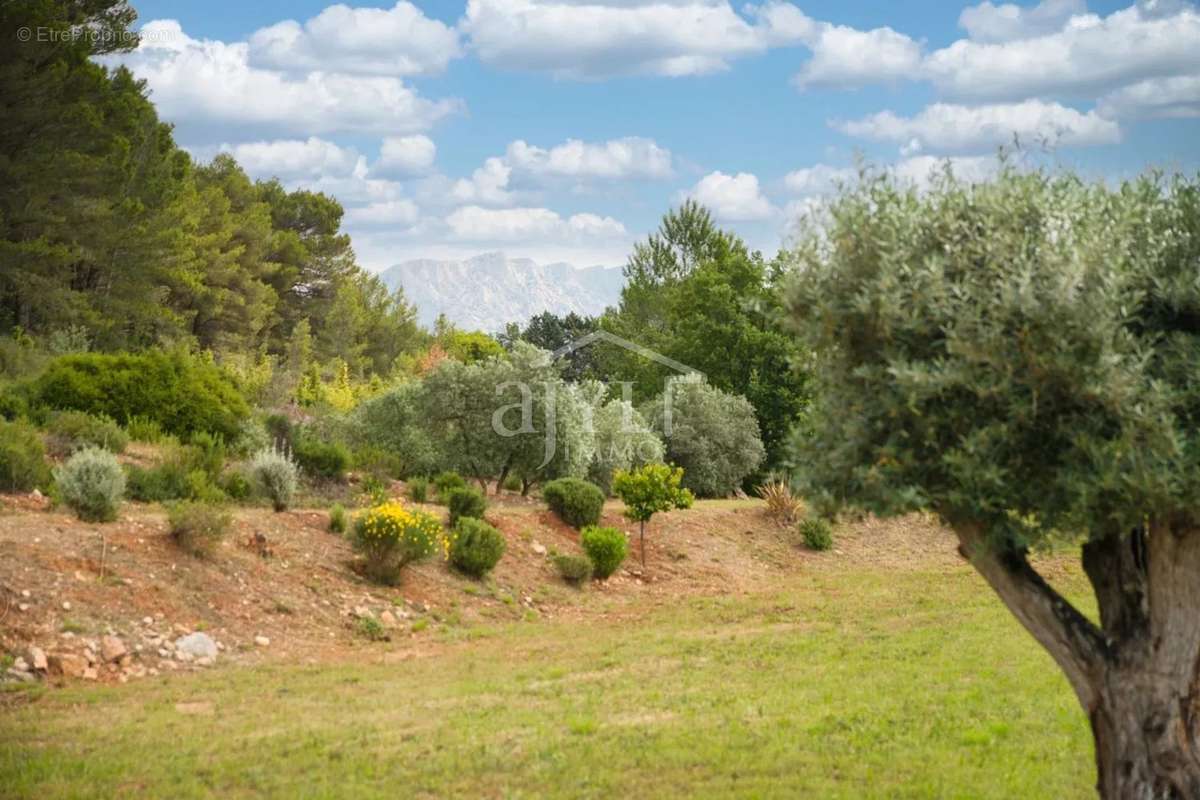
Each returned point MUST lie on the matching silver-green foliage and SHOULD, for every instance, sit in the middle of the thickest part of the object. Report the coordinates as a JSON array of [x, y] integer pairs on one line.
[[623, 441], [92, 484], [275, 475]]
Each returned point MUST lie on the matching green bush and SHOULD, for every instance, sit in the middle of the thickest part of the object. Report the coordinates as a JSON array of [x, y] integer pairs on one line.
[[327, 460], [371, 629], [816, 533], [377, 462], [391, 536], [180, 392], [157, 484], [22, 458], [92, 484], [198, 527], [418, 489], [206, 453], [444, 482], [577, 502], [236, 485], [337, 518], [279, 429], [13, 404], [143, 429], [575, 570], [512, 482], [72, 431], [474, 547], [606, 548], [465, 502], [275, 475], [375, 490], [183, 472]]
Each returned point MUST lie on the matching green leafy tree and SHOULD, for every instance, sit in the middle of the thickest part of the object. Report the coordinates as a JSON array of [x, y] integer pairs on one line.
[[1020, 357], [648, 490], [623, 440]]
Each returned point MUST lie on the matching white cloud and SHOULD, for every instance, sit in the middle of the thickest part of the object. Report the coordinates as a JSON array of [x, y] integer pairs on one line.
[[818, 179], [1090, 54], [211, 84], [396, 41], [846, 57], [518, 224], [400, 212], [921, 170], [291, 159], [630, 157], [599, 39], [1007, 22], [488, 184], [734, 198], [955, 128], [1159, 97], [405, 156]]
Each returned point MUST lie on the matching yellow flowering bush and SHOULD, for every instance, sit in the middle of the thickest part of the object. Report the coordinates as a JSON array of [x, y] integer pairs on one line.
[[391, 535]]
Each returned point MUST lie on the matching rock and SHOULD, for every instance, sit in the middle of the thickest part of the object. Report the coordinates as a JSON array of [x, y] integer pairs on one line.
[[362, 611], [196, 645], [25, 593], [37, 657], [35, 494], [125, 660], [147, 620], [20, 665], [18, 675], [66, 605], [388, 619], [112, 648], [90, 655], [90, 674], [22, 606], [539, 548], [204, 661], [68, 664], [183, 655], [261, 641]]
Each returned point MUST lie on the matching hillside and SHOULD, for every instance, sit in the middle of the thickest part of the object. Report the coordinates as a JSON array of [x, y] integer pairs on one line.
[[490, 290]]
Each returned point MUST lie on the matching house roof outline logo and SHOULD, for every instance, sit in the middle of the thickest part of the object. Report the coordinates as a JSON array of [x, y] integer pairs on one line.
[[612, 338]]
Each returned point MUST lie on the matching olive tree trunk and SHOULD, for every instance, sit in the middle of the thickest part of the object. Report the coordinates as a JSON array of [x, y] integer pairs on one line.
[[1137, 674]]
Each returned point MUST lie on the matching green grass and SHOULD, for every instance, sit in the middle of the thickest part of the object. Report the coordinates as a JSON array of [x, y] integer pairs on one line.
[[840, 684]]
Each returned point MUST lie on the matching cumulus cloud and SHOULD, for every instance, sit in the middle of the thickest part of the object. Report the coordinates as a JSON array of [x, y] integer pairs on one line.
[[487, 184], [212, 83], [401, 212], [405, 156], [476, 223], [630, 157], [844, 57], [921, 170], [292, 159], [1089, 55], [734, 198], [987, 22], [818, 179], [954, 128], [396, 41], [1158, 97]]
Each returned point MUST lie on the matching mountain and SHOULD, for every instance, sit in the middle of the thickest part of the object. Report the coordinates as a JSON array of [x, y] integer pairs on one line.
[[490, 290]]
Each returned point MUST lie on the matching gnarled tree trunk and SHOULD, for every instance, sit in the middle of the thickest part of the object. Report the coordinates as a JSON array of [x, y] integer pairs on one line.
[[1137, 674]]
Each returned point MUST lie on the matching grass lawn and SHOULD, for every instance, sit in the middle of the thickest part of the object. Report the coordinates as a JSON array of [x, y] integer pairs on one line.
[[862, 683]]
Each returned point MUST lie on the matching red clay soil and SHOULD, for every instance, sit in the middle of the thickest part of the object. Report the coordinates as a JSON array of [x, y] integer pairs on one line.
[[65, 584]]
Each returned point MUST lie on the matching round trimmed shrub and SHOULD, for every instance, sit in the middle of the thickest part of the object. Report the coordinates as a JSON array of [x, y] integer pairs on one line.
[[465, 502], [575, 570], [418, 489], [606, 548], [22, 458], [577, 502], [72, 431], [474, 547], [447, 481], [337, 518], [817, 533], [198, 527], [391, 536], [92, 484], [275, 475]]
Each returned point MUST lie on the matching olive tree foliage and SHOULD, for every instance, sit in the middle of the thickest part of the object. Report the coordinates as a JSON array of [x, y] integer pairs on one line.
[[395, 423], [712, 434], [1021, 357], [624, 440]]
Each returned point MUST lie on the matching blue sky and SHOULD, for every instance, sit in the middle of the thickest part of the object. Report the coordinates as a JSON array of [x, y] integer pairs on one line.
[[563, 129]]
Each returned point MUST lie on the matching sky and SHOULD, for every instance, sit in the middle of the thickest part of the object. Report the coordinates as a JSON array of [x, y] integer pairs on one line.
[[562, 130]]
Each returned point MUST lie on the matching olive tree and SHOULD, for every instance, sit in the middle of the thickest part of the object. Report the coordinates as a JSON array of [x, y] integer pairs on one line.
[[1022, 357], [623, 440]]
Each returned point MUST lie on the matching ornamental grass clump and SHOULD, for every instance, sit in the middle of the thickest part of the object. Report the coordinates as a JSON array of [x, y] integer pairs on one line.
[[391, 536]]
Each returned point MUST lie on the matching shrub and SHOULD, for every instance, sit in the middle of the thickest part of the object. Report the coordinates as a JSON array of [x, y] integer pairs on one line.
[[474, 547], [13, 404], [512, 482], [182, 393], [198, 527], [576, 501], [648, 490], [391, 536], [72, 431], [92, 484], [713, 435], [817, 533], [279, 429], [252, 436], [162, 482], [236, 485], [575, 570], [206, 453], [22, 458], [375, 490], [606, 548], [418, 489], [143, 429], [377, 462], [275, 475], [444, 482], [624, 440], [183, 472], [465, 502], [327, 460], [371, 629], [782, 505], [337, 519]]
